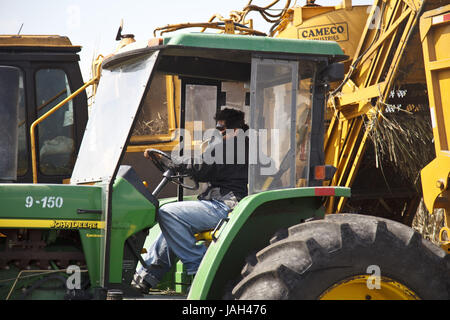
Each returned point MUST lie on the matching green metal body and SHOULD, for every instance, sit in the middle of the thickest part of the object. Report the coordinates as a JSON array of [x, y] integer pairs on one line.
[[23, 207], [252, 223], [132, 213], [255, 44]]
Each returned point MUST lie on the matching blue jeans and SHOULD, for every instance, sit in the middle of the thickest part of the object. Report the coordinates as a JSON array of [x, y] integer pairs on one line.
[[179, 221]]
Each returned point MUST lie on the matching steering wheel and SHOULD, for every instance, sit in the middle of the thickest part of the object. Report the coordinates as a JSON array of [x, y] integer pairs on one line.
[[165, 164]]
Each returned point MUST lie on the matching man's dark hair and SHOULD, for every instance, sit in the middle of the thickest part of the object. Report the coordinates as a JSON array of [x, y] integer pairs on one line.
[[234, 119]]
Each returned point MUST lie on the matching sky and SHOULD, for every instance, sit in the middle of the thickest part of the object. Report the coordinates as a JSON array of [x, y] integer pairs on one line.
[[93, 24]]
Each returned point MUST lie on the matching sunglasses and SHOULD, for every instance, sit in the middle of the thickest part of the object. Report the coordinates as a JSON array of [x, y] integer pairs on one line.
[[220, 127]]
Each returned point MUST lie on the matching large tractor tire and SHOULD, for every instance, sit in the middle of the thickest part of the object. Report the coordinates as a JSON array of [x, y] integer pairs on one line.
[[339, 257]]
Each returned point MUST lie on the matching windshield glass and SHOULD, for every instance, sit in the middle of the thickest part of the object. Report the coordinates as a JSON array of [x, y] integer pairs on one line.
[[117, 101]]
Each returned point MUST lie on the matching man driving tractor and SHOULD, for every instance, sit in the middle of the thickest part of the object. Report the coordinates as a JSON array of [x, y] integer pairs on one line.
[[179, 221]]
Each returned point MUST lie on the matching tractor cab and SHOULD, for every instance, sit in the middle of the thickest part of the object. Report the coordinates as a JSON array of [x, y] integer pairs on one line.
[[280, 85], [46, 72]]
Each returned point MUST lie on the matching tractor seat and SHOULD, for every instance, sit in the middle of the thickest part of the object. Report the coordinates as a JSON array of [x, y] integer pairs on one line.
[[210, 235], [204, 236]]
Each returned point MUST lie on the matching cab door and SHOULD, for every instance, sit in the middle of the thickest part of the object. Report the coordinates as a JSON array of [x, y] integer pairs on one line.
[[200, 101]]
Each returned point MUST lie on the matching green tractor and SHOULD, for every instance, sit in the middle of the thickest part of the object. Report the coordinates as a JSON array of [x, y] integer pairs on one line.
[[85, 240]]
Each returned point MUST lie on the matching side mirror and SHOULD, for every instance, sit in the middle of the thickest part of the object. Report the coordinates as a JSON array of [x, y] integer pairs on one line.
[[333, 72], [121, 36]]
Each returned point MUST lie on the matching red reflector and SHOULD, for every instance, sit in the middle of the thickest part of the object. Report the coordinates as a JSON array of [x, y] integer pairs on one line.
[[319, 173], [447, 17], [324, 191]]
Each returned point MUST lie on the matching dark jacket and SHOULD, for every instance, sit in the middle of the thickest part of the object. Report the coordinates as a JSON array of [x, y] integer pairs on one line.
[[227, 180]]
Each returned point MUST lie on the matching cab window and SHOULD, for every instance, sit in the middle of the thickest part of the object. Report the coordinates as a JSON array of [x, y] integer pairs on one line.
[[153, 118], [56, 133]]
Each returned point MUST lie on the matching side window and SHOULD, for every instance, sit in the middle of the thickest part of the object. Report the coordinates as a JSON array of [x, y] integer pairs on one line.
[[201, 106], [56, 133], [236, 97], [153, 119]]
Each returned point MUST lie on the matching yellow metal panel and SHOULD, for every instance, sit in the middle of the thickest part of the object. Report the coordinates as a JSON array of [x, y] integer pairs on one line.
[[35, 41], [385, 35], [170, 83], [435, 179], [157, 138], [376, 62], [436, 50], [166, 147], [301, 14], [440, 64], [363, 94], [345, 160], [354, 167], [435, 35], [316, 23]]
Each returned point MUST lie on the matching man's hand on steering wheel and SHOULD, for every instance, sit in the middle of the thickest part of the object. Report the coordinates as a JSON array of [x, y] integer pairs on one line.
[[175, 172]]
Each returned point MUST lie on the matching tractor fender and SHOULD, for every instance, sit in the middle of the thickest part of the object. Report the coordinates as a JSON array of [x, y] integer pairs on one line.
[[251, 225]]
